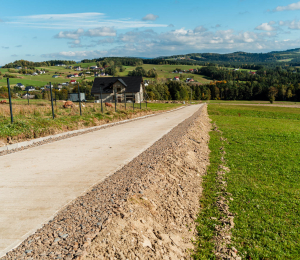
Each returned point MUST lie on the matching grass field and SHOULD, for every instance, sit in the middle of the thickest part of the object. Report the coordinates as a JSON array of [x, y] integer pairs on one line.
[[247, 102], [164, 72], [35, 120], [262, 152]]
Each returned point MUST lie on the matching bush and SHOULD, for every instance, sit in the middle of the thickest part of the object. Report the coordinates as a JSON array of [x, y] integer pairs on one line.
[[38, 95]]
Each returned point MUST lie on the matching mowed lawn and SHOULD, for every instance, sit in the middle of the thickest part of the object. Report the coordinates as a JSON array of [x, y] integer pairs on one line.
[[263, 154]]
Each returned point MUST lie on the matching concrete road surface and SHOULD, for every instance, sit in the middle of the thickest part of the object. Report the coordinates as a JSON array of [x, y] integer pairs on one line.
[[38, 182]]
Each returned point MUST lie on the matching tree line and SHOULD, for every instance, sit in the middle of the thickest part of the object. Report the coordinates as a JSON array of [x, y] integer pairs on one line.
[[280, 84]]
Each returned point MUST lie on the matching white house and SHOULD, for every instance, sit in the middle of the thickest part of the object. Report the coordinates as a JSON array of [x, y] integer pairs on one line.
[[20, 85], [18, 68], [121, 89], [34, 74], [30, 88], [93, 67]]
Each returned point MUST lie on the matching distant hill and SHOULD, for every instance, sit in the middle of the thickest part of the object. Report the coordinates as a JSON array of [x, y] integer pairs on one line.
[[275, 56], [291, 57]]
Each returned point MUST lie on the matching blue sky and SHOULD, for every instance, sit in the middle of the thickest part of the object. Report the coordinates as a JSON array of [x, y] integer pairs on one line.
[[43, 30]]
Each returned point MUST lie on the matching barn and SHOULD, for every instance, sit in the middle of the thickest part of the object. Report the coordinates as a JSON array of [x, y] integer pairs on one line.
[[111, 88]]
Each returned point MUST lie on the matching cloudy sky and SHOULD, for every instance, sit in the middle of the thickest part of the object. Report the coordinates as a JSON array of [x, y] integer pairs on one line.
[[43, 30]]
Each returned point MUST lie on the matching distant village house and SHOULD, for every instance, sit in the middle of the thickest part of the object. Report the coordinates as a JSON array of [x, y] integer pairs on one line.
[[117, 87]]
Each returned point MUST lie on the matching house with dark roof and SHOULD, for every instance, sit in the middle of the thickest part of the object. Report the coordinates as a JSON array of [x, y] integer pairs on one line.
[[112, 88], [30, 88]]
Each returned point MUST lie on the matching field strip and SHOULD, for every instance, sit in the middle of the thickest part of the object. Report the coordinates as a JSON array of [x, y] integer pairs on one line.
[[52, 138], [265, 105]]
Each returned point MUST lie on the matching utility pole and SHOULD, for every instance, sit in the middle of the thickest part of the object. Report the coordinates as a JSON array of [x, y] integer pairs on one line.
[[54, 96], [101, 100], [10, 105], [140, 101], [133, 101], [125, 99], [79, 100], [115, 101], [52, 101]]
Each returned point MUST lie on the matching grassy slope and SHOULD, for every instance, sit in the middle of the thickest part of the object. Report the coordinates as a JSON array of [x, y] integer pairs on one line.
[[164, 71], [36, 120], [263, 155]]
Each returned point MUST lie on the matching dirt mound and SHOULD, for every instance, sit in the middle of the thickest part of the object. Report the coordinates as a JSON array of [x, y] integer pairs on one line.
[[158, 222]]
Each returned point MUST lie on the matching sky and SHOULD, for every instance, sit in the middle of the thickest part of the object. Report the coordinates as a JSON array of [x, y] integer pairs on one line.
[[75, 30]]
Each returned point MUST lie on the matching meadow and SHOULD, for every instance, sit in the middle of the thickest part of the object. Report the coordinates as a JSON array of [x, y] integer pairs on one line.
[[164, 72], [262, 152], [35, 120]]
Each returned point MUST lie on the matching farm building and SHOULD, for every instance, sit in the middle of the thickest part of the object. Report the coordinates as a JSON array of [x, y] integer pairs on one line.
[[118, 87]]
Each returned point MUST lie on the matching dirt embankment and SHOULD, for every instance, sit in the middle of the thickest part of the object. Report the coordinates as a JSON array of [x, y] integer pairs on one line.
[[158, 223], [146, 210]]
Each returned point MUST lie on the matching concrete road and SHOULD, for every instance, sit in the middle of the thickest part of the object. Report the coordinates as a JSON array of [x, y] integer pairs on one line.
[[38, 182]]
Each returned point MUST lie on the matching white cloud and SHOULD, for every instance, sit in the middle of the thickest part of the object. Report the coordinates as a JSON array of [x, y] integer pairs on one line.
[[266, 27], [75, 54], [137, 36], [171, 25], [200, 29], [77, 35], [101, 32], [148, 43], [293, 25], [62, 16], [290, 7], [150, 17], [79, 20], [70, 35]]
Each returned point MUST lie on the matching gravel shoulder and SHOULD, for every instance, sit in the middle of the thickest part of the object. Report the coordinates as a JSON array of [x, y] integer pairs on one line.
[[146, 210]]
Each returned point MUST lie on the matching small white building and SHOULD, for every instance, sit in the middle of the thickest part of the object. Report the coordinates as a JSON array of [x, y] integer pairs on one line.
[[20, 85]]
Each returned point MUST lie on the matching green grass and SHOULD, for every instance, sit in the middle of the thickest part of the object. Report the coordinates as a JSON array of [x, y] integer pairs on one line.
[[164, 72], [262, 152], [247, 102], [204, 244]]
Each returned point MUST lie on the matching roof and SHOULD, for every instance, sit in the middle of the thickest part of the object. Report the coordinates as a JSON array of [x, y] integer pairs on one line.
[[73, 80], [132, 84]]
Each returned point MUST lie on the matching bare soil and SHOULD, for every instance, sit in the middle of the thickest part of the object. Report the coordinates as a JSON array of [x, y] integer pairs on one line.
[[159, 222]]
